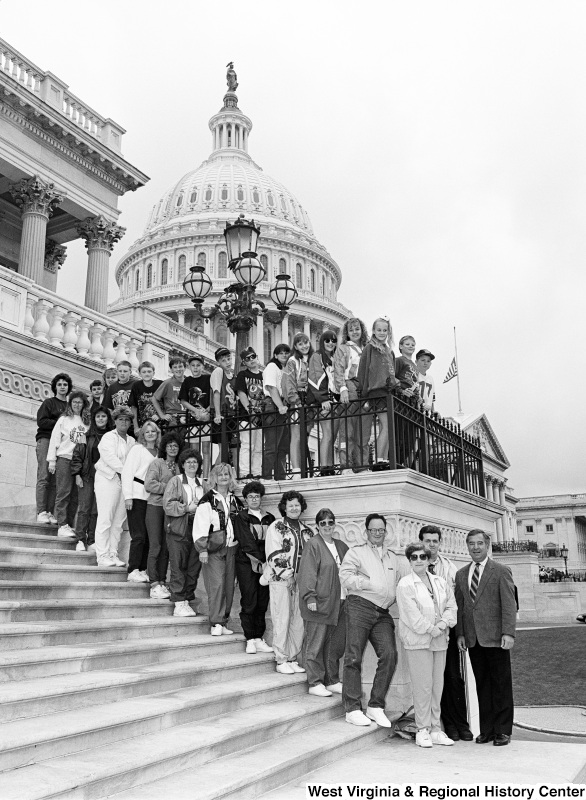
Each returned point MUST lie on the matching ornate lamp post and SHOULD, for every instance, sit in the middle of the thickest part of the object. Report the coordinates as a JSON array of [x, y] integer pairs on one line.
[[239, 304], [564, 555]]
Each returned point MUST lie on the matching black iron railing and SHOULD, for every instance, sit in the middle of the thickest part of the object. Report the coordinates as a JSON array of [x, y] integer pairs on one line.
[[314, 441], [526, 546]]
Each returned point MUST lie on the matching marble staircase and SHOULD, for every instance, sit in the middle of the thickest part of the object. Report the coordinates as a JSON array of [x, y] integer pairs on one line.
[[103, 693]]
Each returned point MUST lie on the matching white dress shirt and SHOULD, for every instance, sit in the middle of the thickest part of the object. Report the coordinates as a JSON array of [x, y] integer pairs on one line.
[[471, 571]]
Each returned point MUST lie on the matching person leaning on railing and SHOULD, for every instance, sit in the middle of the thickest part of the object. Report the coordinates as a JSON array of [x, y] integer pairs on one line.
[[276, 428], [376, 378], [322, 392], [294, 386], [355, 426]]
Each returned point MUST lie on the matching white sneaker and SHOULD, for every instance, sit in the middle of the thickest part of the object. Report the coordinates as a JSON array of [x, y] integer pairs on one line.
[[439, 737], [183, 609], [357, 718], [137, 577], [285, 668], [216, 630], [43, 517], [295, 666], [250, 646], [80, 547], [423, 739], [52, 519], [66, 532], [92, 547], [347, 472], [144, 573], [319, 690], [105, 561], [335, 688], [378, 715], [117, 561], [226, 631], [164, 590], [262, 646], [157, 594]]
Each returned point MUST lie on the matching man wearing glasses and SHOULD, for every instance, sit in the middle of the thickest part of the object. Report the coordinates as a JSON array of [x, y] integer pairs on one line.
[[369, 573]]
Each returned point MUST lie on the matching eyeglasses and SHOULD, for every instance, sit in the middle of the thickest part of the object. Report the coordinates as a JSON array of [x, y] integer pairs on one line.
[[252, 496], [326, 523], [251, 357], [376, 530], [329, 341], [418, 557]]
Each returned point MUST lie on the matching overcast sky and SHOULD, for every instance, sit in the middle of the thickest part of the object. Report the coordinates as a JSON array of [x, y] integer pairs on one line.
[[439, 149]]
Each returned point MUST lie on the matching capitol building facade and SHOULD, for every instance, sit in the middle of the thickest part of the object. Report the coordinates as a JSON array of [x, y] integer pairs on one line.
[[185, 228]]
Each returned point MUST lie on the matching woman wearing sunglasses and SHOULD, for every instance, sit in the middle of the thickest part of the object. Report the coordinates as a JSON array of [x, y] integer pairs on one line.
[[427, 610], [321, 601], [322, 391]]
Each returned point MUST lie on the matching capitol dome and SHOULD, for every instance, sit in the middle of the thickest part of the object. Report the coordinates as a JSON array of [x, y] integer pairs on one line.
[[186, 228]]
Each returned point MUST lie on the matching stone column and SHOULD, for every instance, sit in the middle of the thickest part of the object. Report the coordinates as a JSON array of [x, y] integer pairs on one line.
[[307, 327], [499, 530], [55, 255], [181, 316], [285, 331], [100, 237], [37, 200], [260, 339]]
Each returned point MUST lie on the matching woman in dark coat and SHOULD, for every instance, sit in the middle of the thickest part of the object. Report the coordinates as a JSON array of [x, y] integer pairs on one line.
[[321, 602]]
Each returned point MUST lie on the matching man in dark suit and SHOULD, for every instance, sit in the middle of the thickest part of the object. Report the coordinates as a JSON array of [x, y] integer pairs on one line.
[[487, 615]]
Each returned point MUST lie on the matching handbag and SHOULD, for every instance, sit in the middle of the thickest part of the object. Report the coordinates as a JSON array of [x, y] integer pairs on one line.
[[213, 542], [176, 525], [257, 566]]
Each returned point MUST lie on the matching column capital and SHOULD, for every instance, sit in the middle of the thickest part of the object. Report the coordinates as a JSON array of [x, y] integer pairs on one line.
[[55, 255], [34, 194], [99, 233]]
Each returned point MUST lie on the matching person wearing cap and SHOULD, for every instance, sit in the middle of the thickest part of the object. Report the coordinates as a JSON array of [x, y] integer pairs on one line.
[[251, 396], [224, 402], [423, 361], [276, 432], [114, 446], [194, 396]]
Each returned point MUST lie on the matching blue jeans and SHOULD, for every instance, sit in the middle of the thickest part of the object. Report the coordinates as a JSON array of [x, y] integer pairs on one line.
[[365, 622]]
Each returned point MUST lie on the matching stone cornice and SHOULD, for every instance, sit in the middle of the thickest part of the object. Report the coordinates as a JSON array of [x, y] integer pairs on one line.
[[75, 145]]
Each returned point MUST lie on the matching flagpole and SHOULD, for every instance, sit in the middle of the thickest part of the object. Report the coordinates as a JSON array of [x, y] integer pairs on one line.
[[457, 372]]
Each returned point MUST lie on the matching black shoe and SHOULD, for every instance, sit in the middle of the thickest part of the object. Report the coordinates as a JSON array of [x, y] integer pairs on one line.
[[484, 738], [452, 733], [465, 736], [501, 739]]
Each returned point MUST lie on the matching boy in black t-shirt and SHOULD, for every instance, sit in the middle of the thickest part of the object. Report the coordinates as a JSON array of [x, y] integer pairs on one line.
[[141, 396], [250, 392], [195, 390], [118, 393], [96, 394]]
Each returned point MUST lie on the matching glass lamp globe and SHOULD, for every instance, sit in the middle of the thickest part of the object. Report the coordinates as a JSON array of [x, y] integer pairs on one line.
[[197, 285], [248, 270], [283, 292], [241, 238]]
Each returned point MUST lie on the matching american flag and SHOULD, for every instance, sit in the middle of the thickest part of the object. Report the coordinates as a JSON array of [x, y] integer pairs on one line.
[[453, 371]]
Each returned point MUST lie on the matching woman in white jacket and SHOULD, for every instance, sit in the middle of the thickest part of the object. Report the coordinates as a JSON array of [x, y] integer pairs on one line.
[[114, 448], [135, 498], [427, 610]]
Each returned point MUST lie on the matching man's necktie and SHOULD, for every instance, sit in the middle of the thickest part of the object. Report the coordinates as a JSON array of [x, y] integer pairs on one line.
[[431, 568], [475, 581]]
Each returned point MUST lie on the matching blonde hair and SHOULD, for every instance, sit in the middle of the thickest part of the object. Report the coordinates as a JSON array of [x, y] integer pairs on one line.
[[140, 436], [387, 322], [217, 470]]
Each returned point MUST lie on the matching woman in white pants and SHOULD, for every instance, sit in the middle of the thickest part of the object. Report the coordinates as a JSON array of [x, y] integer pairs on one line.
[[113, 448], [427, 611]]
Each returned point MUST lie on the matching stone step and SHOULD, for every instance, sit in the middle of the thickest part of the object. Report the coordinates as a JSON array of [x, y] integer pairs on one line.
[[59, 573], [34, 540], [40, 738], [23, 636], [58, 610], [21, 665], [101, 771], [34, 528], [27, 555], [47, 590], [32, 698], [252, 772]]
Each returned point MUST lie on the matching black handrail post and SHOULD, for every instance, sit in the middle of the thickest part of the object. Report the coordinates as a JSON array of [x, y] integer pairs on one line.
[[303, 449], [391, 431], [424, 446], [462, 461], [481, 484], [224, 449]]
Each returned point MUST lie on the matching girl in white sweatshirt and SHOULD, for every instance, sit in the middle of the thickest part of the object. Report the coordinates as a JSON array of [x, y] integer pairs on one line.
[[69, 430]]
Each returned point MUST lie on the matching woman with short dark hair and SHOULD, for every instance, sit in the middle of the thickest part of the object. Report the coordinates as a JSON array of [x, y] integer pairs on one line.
[[284, 547], [321, 601]]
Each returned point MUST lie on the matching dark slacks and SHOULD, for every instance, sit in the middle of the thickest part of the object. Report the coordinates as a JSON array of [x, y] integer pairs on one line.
[[276, 444], [87, 513], [65, 493], [454, 713], [139, 540], [218, 577], [323, 647], [254, 601], [494, 687], [185, 566], [365, 622], [158, 557], [45, 491]]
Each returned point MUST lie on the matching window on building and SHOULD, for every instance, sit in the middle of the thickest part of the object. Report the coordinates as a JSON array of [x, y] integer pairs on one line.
[[221, 332], [164, 272], [137, 281], [283, 204], [149, 279], [549, 528], [294, 207], [201, 259], [224, 193], [268, 345], [209, 194], [222, 265], [265, 262], [182, 268], [529, 528], [255, 196], [240, 194], [322, 285], [312, 280], [298, 276], [193, 196], [270, 199], [179, 200], [282, 266]]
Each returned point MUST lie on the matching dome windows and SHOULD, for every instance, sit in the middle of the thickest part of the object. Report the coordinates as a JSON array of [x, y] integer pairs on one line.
[[193, 197], [209, 194], [265, 262], [149, 276], [179, 201], [164, 272], [282, 265], [137, 280], [298, 276], [224, 194], [182, 268], [294, 207], [240, 194], [201, 259], [312, 280], [283, 204], [222, 265], [270, 199], [256, 196]]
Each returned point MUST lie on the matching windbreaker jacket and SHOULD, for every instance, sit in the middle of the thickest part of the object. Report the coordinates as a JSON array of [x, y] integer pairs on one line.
[[375, 375], [417, 616], [294, 377], [85, 457], [134, 473], [246, 535], [365, 574], [176, 503], [113, 451], [319, 581], [342, 368], [156, 479], [319, 381], [208, 516], [284, 546]]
